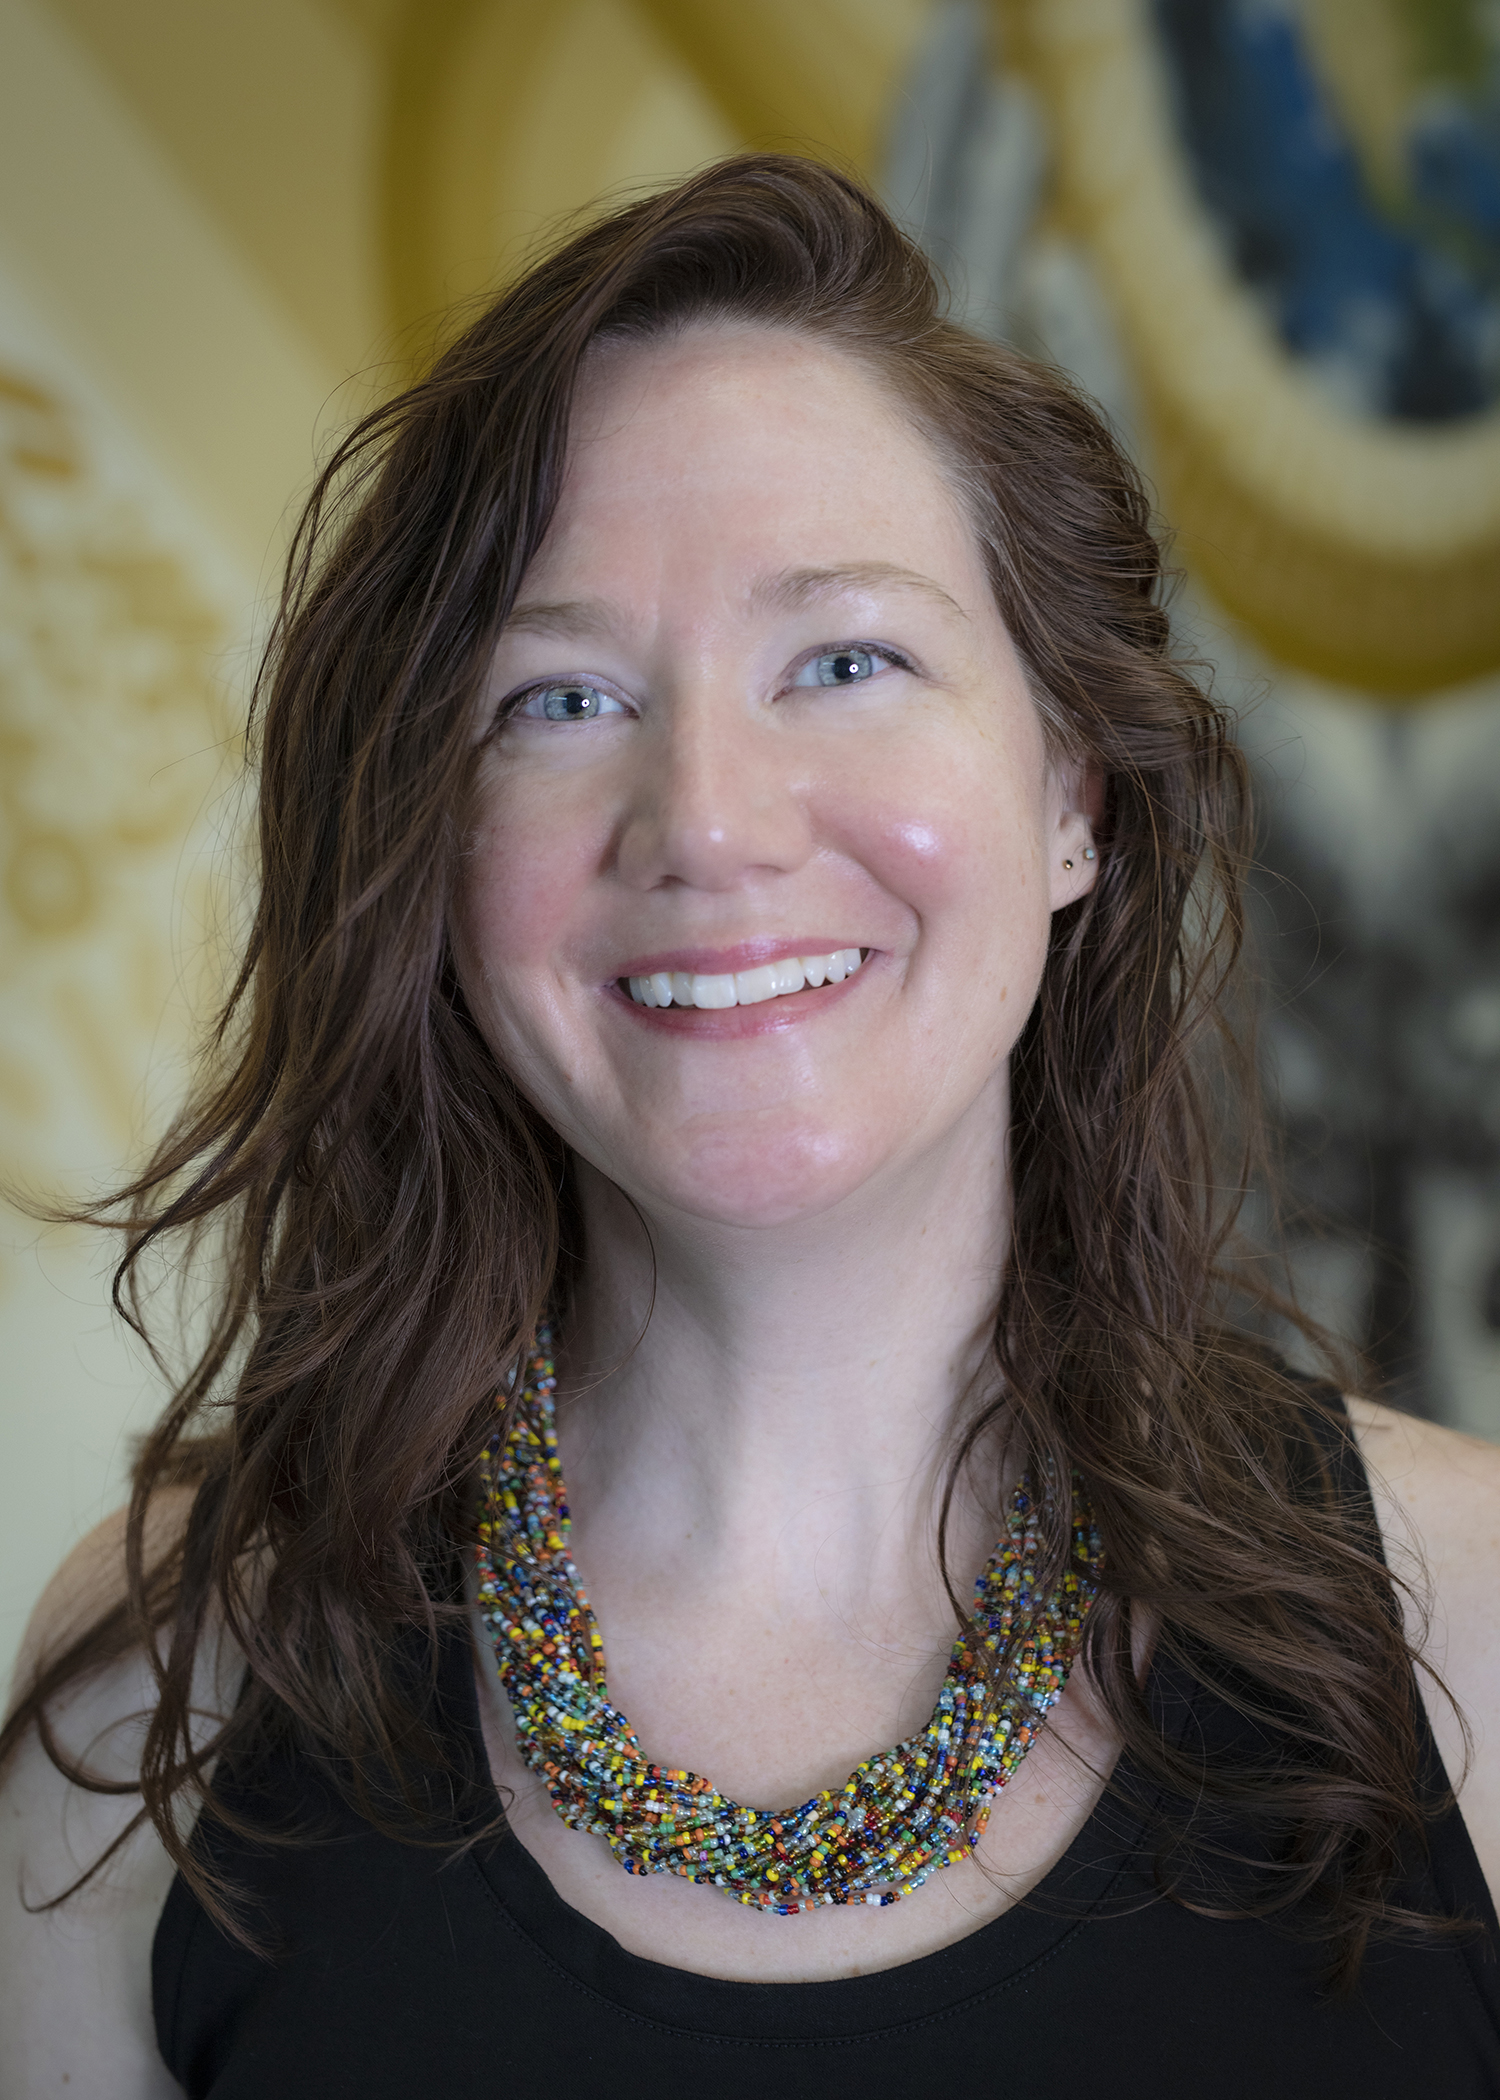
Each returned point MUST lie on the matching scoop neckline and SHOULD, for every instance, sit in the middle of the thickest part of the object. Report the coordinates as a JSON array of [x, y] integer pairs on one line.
[[996, 1956], [993, 1957]]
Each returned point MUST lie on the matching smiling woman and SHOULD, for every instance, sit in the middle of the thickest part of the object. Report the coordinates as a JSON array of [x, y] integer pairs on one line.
[[713, 1135]]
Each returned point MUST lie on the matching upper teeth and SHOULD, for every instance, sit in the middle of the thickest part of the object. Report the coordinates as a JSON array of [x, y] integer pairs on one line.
[[744, 987]]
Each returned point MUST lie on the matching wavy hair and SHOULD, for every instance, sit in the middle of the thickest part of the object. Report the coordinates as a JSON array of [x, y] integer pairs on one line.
[[389, 1210]]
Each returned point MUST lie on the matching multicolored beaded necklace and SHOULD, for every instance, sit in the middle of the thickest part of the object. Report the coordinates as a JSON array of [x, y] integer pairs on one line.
[[896, 1820]]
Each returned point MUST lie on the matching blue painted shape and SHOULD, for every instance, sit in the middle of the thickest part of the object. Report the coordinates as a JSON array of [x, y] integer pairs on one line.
[[1404, 313]]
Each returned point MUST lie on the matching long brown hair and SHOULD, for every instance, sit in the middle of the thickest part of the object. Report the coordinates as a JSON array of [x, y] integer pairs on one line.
[[390, 1208]]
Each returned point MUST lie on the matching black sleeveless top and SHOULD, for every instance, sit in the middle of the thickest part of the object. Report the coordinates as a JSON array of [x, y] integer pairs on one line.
[[405, 1973]]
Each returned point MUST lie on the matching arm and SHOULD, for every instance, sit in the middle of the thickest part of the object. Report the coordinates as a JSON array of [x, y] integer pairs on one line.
[[1437, 1495], [75, 1982]]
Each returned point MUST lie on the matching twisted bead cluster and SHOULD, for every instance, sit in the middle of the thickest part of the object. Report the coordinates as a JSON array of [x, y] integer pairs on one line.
[[898, 1817]]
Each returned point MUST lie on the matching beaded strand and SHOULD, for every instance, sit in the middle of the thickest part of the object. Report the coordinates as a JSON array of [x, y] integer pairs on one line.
[[898, 1818]]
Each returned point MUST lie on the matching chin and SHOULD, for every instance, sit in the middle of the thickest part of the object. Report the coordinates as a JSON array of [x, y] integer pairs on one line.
[[766, 1178]]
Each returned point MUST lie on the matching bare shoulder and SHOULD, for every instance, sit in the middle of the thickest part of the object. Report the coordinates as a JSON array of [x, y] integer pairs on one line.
[[1437, 1494], [75, 1997]]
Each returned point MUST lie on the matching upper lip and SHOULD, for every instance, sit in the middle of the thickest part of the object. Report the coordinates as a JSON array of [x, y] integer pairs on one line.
[[723, 962]]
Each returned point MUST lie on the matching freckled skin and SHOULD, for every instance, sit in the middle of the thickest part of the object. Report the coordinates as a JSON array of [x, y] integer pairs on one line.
[[916, 815]]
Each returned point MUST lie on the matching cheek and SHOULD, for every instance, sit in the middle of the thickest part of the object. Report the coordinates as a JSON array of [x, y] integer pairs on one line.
[[959, 848], [515, 904], [525, 869]]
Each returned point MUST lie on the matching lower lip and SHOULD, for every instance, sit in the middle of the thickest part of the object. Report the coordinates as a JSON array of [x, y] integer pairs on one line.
[[729, 1024]]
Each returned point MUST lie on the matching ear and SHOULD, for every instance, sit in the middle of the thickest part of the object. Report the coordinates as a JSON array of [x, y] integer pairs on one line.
[[1076, 806]]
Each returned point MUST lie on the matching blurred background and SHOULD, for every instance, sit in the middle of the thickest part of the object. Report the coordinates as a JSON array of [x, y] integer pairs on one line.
[[1265, 235]]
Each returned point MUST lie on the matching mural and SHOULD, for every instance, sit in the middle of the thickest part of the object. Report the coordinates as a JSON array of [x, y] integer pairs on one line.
[[1267, 238], [1376, 250], [1365, 215], [113, 730]]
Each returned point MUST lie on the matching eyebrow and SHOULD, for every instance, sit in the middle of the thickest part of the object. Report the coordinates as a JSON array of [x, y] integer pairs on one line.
[[789, 591], [795, 588], [594, 616]]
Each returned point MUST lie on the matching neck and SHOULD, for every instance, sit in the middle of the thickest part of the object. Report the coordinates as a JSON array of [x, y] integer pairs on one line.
[[733, 1395]]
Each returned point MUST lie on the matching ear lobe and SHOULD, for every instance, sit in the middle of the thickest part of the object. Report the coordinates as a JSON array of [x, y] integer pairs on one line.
[[1081, 788]]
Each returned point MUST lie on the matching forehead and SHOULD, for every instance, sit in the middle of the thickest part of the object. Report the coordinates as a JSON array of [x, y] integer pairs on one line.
[[750, 445]]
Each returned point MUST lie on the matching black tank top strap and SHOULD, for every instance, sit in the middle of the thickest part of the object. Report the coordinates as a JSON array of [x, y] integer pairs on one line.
[[1457, 1880]]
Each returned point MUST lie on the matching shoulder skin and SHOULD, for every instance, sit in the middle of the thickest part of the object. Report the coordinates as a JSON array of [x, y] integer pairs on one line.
[[75, 1982]]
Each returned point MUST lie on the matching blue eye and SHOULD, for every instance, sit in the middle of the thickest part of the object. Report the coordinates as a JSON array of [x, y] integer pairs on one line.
[[573, 701], [846, 666], [852, 665]]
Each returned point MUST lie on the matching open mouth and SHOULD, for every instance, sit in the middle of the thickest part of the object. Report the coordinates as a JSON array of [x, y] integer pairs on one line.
[[777, 980]]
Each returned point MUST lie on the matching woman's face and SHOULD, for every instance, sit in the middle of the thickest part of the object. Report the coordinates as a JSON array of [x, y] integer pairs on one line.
[[756, 705]]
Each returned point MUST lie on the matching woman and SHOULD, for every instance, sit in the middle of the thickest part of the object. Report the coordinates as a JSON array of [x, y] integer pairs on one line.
[[745, 892]]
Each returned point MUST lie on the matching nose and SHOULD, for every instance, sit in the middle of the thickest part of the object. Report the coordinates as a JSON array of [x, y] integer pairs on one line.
[[716, 800]]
